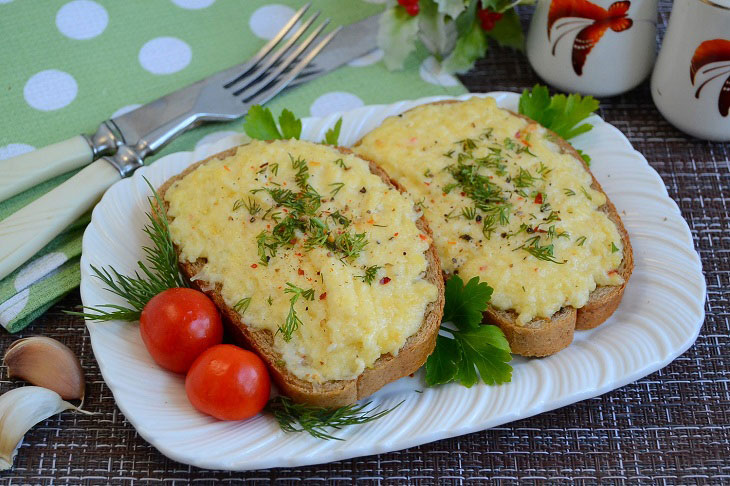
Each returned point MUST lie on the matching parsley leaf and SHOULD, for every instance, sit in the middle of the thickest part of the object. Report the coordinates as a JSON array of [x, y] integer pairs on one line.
[[559, 113], [471, 346], [332, 136], [291, 126], [465, 303], [260, 124]]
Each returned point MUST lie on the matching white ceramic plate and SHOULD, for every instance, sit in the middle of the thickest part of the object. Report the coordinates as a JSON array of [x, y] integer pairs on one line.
[[658, 319]]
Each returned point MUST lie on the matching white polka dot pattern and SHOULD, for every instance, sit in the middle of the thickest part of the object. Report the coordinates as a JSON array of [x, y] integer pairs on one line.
[[82, 19], [50, 90], [333, 102], [268, 20], [165, 55], [193, 4], [13, 149]]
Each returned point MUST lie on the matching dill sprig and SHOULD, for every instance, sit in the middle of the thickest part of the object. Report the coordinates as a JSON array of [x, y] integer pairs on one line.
[[299, 417], [292, 321], [580, 240], [336, 186], [251, 206], [242, 305], [370, 274], [545, 252], [158, 274], [524, 178]]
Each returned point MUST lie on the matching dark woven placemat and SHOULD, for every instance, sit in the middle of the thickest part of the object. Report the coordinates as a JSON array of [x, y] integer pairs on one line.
[[672, 427]]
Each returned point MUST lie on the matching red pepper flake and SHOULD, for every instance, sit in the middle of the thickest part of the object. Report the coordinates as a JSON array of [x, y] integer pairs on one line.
[[538, 198], [395, 234], [300, 272], [371, 221], [423, 237], [427, 183], [226, 167], [253, 265], [323, 296], [463, 194], [384, 280], [413, 139], [293, 241]]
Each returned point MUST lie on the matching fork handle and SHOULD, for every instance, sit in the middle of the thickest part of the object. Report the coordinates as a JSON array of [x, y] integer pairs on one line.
[[25, 232], [27, 170]]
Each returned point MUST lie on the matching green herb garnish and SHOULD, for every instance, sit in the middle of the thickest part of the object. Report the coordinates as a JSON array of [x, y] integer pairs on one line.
[[614, 248], [370, 274], [336, 187], [545, 252], [293, 321], [158, 274], [299, 417], [471, 346], [333, 134], [260, 124], [242, 305], [580, 240]]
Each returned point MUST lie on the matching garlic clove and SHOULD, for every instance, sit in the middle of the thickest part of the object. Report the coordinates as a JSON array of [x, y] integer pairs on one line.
[[20, 410], [46, 362]]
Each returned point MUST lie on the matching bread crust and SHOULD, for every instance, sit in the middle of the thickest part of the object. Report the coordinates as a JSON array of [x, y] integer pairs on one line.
[[543, 337], [335, 393]]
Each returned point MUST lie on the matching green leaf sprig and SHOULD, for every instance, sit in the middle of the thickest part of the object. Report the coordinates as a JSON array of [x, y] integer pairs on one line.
[[299, 417], [261, 125], [471, 346], [560, 113], [158, 274]]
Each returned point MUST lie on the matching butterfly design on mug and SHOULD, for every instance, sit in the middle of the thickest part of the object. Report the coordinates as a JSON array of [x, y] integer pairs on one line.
[[592, 20], [715, 51]]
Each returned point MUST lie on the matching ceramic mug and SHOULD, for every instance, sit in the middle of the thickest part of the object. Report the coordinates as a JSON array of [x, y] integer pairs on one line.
[[597, 47], [691, 80]]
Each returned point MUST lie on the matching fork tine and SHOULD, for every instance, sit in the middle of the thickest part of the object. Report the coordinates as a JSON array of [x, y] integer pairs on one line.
[[269, 60], [246, 67], [250, 90], [265, 95]]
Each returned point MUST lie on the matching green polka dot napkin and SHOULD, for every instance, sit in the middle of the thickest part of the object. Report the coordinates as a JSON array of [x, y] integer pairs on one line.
[[68, 65]]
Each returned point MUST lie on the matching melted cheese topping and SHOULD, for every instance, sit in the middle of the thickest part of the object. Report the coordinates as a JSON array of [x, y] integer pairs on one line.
[[348, 323], [505, 203]]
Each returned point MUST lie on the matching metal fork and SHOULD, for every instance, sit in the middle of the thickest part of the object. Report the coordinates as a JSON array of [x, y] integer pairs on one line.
[[229, 94], [224, 96]]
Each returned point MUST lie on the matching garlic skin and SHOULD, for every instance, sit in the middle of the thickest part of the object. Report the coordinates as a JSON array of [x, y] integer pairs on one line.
[[21, 409], [46, 362]]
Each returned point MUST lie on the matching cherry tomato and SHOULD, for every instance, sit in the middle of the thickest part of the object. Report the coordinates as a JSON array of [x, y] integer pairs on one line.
[[179, 324], [228, 383]]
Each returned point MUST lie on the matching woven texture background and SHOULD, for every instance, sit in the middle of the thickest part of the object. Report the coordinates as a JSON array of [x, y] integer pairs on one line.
[[672, 427]]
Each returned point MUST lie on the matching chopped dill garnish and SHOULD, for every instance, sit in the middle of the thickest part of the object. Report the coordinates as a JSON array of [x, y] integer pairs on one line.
[[583, 189], [467, 144], [242, 305], [569, 192], [449, 154], [614, 248], [251, 206], [336, 187], [274, 168], [370, 274], [580, 240], [292, 321], [341, 163], [543, 170], [338, 218], [302, 175], [469, 213], [524, 179], [300, 417], [532, 246], [509, 144], [158, 274], [428, 173]]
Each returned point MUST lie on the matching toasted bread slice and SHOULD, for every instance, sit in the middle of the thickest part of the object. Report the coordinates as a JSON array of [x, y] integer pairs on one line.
[[545, 336], [334, 393]]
